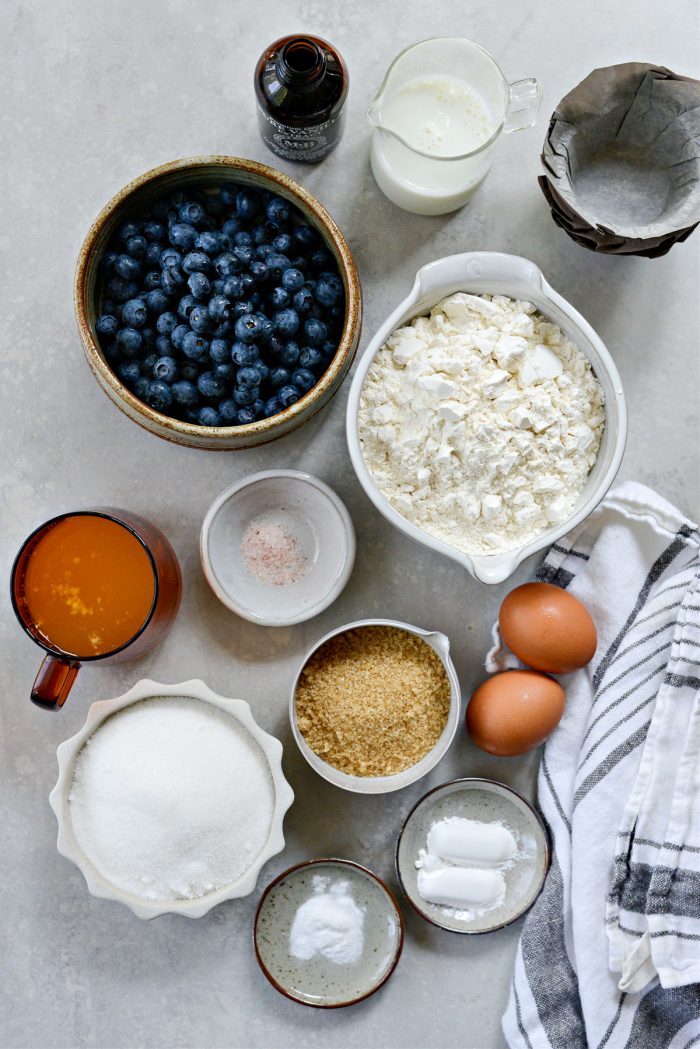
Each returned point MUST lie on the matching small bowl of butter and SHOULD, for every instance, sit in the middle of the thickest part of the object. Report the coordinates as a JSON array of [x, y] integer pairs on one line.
[[472, 856]]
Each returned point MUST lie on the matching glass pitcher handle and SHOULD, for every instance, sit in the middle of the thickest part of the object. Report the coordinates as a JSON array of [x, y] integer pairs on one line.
[[524, 98], [53, 683]]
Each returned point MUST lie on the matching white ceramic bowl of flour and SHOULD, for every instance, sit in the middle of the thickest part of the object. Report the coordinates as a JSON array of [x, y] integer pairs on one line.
[[170, 799], [498, 274]]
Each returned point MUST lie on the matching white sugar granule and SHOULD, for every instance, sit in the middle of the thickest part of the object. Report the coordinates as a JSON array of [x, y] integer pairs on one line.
[[171, 799]]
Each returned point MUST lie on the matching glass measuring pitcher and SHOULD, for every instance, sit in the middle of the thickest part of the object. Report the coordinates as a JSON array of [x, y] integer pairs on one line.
[[436, 118]]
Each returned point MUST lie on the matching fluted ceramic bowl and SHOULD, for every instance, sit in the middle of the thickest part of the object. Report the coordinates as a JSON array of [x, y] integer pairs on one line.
[[59, 799], [202, 172]]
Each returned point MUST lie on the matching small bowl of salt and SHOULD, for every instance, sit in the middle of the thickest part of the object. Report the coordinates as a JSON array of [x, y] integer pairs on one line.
[[328, 933], [277, 547]]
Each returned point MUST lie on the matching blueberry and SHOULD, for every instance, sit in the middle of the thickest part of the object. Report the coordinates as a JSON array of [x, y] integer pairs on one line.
[[107, 261], [245, 395], [211, 387], [172, 278], [228, 410], [286, 321], [153, 253], [217, 286], [247, 284], [185, 306], [248, 377], [248, 328], [231, 228], [245, 255], [259, 408], [329, 289], [315, 331], [140, 388], [129, 372], [219, 351], [303, 301], [320, 259], [292, 280], [147, 364], [228, 192], [329, 347], [129, 342], [263, 250], [166, 323], [185, 393], [154, 230], [170, 257], [275, 344], [163, 346], [191, 213], [272, 407], [279, 298], [300, 263], [243, 355], [303, 379], [127, 230], [310, 358], [243, 239], [157, 301], [182, 235], [259, 235], [199, 319], [278, 210], [195, 262], [288, 395], [268, 328], [289, 355], [135, 313], [219, 308], [233, 287], [248, 203], [259, 272], [194, 346], [283, 244], [305, 236], [107, 325], [277, 264], [159, 395], [165, 369], [178, 334], [208, 417], [209, 241], [279, 377], [245, 416], [127, 267], [199, 285], [225, 371], [136, 246], [189, 372], [227, 264], [223, 330], [148, 337]]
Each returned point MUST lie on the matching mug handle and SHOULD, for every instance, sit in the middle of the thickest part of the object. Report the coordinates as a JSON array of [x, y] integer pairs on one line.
[[53, 683], [524, 98]]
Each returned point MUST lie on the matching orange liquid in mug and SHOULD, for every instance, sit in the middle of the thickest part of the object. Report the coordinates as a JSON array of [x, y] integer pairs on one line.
[[88, 586]]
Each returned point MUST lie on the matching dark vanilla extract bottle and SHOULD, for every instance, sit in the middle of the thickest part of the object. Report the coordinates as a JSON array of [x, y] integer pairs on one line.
[[301, 84]]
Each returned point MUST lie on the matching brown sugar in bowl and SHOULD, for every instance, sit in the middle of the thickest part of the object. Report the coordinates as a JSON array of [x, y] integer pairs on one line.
[[200, 172]]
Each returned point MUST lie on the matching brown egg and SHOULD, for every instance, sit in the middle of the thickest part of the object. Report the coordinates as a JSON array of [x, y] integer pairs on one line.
[[514, 711], [547, 628]]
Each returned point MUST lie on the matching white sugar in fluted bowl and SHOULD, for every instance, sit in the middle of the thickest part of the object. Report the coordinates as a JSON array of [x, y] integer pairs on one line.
[[68, 753], [312, 513], [490, 272]]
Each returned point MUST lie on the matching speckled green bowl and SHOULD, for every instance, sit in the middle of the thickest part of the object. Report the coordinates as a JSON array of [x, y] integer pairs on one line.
[[317, 982]]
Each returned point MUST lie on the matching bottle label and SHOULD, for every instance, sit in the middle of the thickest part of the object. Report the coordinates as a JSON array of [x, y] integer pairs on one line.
[[299, 143]]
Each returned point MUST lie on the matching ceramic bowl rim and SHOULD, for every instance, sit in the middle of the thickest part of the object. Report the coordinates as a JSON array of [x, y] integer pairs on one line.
[[467, 268], [539, 819], [373, 877], [264, 429], [348, 558], [363, 784], [99, 712]]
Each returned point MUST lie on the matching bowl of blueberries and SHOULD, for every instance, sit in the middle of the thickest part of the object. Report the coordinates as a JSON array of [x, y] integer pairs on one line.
[[218, 302]]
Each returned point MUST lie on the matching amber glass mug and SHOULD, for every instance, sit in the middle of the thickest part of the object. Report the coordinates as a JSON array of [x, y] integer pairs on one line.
[[97, 585]]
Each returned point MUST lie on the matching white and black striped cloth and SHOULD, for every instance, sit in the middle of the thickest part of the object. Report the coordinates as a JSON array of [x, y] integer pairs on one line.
[[610, 953]]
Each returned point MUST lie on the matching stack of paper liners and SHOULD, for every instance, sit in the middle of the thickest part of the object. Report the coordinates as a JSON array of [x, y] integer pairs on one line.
[[622, 160]]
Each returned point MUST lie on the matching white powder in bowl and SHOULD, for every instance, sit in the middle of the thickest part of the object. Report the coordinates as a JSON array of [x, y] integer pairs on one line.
[[172, 798]]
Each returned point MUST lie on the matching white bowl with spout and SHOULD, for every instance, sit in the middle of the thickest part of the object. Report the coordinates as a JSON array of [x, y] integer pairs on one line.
[[384, 784], [486, 272]]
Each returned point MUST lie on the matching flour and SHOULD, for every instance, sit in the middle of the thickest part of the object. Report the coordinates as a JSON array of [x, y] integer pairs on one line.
[[329, 924], [481, 422]]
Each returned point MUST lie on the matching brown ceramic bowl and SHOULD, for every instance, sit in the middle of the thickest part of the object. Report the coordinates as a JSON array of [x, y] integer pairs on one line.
[[203, 171]]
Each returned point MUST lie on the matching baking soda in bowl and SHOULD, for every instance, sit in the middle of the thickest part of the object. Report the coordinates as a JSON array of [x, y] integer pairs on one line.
[[171, 799]]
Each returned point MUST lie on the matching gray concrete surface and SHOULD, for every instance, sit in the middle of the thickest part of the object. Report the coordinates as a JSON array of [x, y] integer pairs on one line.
[[93, 94]]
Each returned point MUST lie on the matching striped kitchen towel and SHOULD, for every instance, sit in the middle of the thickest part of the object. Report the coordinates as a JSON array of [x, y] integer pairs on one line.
[[610, 953]]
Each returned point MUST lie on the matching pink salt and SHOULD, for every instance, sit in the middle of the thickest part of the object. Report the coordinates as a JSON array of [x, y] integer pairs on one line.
[[272, 554]]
